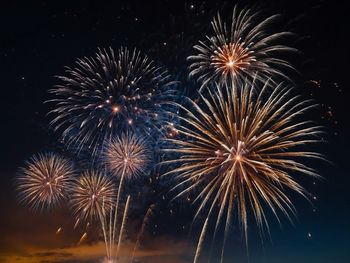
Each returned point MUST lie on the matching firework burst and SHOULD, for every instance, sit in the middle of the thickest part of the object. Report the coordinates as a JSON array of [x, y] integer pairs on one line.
[[244, 50], [92, 195], [108, 93], [127, 155], [240, 150], [44, 181]]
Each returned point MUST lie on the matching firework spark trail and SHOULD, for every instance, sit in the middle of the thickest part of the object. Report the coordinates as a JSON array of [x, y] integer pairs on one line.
[[139, 235], [241, 147], [82, 238], [104, 94], [109, 229], [237, 53], [59, 230], [200, 241], [44, 181], [122, 228], [76, 223], [117, 203], [110, 239], [104, 231]]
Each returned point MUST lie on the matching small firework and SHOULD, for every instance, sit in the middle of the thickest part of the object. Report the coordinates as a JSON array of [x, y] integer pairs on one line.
[[244, 50], [241, 149], [44, 181], [108, 93], [92, 195], [127, 155]]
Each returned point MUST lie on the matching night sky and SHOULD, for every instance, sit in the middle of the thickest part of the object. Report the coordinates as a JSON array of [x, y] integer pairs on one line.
[[38, 40]]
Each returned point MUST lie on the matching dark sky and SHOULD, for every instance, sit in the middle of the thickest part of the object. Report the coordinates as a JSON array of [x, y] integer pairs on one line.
[[39, 39]]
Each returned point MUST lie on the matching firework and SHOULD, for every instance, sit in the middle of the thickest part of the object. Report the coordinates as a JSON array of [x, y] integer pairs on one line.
[[110, 230], [200, 241], [145, 222], [82, 238], [108, 93], [241, 151], [90, 193], [244, 50], [127, 155], [44, 181]]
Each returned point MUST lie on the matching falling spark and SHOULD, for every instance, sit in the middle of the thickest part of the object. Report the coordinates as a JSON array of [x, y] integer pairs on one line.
[[83, 237], [76, 223], [59, 230]]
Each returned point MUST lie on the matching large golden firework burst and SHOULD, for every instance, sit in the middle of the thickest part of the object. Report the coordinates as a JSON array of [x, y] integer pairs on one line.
[[240, 150], [238, 52]]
